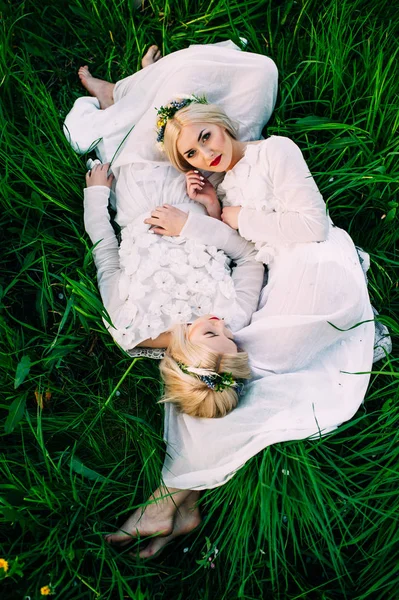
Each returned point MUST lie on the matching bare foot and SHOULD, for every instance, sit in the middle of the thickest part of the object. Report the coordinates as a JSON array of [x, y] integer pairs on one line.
[[186, 520], [100, 89], [141, 523], [152, 55], [156, 518]]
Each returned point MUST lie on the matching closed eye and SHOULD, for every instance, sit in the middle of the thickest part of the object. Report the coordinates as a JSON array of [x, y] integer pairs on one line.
[[211, 334]]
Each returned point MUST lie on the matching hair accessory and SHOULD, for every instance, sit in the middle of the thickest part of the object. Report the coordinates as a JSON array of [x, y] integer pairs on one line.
[[215, 381], [167, 112]]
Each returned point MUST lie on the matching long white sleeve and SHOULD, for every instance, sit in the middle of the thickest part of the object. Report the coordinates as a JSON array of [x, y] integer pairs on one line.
[[302, 216], [105, 253], [248, 273]]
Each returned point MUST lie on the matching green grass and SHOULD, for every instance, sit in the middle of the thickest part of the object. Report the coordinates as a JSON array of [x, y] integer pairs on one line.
[[71, 470]]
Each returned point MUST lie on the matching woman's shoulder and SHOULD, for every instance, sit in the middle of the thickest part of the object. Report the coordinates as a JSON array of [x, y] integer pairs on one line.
[[277, 143]]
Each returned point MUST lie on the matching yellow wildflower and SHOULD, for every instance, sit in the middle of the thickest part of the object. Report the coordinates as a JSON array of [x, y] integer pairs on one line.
[[45, 590], [3, 564]]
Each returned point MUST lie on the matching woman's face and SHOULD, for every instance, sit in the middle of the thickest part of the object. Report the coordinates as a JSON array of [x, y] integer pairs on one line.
[[213, 333], [206, 147]]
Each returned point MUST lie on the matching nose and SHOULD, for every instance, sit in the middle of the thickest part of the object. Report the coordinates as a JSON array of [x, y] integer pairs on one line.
[[207, 153]]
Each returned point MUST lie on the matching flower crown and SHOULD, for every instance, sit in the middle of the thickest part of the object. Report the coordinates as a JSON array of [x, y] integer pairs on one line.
[[215, 381], [167, 112]]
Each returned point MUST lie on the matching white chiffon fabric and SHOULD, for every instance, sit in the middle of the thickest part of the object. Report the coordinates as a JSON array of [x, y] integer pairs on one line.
[[311, 341], [309, 350]]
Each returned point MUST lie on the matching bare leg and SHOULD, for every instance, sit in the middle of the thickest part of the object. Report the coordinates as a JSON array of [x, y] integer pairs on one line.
[[104, 90], [187, 519], [156, 518]]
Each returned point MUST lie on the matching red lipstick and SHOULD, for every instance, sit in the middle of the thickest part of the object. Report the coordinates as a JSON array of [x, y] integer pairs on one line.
[[216, 161], [214, 318]]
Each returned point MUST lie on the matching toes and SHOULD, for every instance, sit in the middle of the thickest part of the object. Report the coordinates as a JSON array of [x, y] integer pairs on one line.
[[152, 50], [119, 538], [154, 547], [84, 72], [157, 56]]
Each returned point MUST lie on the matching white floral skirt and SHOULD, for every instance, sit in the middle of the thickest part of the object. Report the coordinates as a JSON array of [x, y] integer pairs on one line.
[[169, 280]]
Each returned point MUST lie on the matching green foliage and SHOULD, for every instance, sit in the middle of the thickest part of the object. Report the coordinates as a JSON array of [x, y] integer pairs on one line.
[[82, 445]]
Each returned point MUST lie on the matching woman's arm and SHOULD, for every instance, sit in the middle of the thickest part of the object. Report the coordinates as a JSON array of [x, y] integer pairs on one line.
[[302, 216]]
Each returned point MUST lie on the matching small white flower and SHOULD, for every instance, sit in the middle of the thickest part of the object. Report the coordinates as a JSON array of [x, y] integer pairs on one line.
[[137, 290], [129, 258], [193, 246], [202, 305], [178, 311], [159, 254], [178, 256], [164, 281], [185, 550], [146, 269], [226, 286], [124, 337], [181, 292], [216, 270], [199, 283], [156, 306], [198, 258], [331, 179], [285, 472], [151, 326], [130, 311], [213, 251], [182, 270]]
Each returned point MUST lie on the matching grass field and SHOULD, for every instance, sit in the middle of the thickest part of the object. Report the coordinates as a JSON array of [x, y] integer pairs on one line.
[[81, 440]]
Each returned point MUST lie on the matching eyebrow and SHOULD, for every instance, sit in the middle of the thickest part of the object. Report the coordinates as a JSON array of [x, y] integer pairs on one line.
[[199, 138]]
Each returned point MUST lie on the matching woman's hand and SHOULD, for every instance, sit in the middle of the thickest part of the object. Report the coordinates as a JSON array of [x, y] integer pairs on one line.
[[167, 220], [99, 176], [200, 189], [230, 216]]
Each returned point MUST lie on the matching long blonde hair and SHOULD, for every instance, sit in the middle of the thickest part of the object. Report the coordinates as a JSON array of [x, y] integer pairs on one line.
[[189, 393], [193, 113]]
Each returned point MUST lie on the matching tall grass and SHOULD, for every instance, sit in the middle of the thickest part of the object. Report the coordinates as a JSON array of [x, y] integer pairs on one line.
[[82, 435]]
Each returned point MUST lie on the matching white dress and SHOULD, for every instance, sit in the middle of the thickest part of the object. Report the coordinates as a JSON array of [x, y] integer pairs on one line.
[[311, 341], [150, 282]]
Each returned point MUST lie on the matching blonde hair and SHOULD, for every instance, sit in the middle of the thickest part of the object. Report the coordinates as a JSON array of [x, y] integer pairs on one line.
[[189, 393], [193, 113]]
